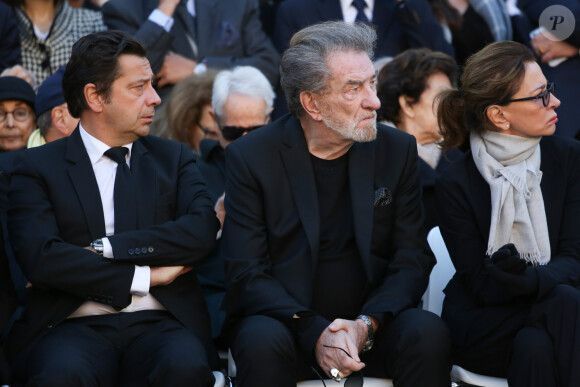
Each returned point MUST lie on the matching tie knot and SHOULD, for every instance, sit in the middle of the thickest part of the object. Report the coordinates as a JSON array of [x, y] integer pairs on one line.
[[360, 5], [117, 154]]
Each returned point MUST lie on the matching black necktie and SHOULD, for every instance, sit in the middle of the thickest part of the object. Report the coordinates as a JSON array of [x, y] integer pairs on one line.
[[360, 6], [123, 196]]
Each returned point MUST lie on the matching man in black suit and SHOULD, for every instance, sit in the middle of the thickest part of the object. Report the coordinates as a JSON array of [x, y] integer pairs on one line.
[[106, 225], [187, 36], [322, 238], [399, 24]]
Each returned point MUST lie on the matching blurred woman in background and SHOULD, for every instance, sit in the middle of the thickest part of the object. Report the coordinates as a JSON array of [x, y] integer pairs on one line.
[[407, 86], [187, 116]]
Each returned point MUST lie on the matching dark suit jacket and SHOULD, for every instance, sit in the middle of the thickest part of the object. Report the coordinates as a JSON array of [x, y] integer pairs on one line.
[[270, 240], [566, 76], [10, 53], [399, 26], [212, 166], [475, 304], [227, 33], [56, 210]]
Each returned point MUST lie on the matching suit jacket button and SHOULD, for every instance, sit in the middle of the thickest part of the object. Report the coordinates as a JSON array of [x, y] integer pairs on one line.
[[50, 326], [131, 251], [151, 249], [137, 251], [143, 250]]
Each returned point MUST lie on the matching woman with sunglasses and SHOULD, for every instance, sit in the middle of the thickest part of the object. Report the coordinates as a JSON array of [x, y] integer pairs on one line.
[[509, 212]]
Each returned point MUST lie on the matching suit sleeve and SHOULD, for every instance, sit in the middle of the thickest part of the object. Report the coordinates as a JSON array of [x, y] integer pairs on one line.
[[187, 239], [10, 53], [409, 263], [157, 41], [257, 47], [49, 262], [421, 27]]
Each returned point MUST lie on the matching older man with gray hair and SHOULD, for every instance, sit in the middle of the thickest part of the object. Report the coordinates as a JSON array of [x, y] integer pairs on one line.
[[242, 100], [323, 242]]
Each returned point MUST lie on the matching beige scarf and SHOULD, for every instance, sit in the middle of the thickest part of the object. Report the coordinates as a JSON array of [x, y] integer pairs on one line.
[[511, 166]]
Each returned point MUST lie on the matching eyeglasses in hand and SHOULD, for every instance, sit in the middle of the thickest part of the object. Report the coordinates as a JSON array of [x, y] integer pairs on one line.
[[354, 380]]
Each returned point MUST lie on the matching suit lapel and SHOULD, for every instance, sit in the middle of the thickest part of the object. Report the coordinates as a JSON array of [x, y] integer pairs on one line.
[[207, 26], [295, 157], [186, 18], [84, 182], [361, 171], [144, 176]]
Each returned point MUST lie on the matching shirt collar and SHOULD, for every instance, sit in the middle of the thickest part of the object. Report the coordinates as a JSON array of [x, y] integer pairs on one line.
[[96, 148]]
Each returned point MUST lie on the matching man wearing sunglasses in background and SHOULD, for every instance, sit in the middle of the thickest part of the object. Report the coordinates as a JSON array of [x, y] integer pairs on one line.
[[242, 99]]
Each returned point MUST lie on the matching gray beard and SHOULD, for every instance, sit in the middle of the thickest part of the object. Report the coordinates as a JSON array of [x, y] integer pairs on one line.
[[367, 134]]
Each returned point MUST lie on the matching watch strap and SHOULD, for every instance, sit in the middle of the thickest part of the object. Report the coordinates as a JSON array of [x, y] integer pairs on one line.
[[371, 333]]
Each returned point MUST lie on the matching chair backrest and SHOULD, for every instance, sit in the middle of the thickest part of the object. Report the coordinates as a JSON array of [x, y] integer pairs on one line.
[[441, 274]]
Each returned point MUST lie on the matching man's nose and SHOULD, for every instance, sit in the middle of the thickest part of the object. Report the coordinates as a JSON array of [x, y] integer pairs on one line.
[[371, 101]]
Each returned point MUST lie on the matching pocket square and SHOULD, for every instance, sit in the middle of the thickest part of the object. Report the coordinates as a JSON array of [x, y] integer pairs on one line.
[[227, 35], [382, 197]]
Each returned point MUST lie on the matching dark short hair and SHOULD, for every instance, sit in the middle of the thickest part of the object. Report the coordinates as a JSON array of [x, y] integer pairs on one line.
[[95, 59], [407, 75]]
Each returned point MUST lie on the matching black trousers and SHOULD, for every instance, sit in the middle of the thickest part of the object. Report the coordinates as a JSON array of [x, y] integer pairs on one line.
[[126, 349], [537, 346], [414, 350]]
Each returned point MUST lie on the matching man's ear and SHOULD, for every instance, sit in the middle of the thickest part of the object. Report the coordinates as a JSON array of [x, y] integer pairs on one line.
[[58, 120], [496, 116], [95, 101], [310, 105], [406, 106]]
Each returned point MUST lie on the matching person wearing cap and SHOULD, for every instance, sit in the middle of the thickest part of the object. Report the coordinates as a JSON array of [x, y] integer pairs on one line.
[[53, 118], [17, 119]]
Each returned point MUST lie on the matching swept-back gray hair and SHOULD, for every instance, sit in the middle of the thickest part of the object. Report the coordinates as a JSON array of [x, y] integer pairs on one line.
[[304, 66], [245, 80]]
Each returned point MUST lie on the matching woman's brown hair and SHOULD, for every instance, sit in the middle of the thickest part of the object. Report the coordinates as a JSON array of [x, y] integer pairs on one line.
[[491, 77]]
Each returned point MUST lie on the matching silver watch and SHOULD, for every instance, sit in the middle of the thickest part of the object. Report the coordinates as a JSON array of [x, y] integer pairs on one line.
[[97, 244], [371, 333]]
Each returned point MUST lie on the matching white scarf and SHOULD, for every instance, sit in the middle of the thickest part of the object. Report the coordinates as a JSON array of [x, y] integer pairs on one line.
[[511, 166]]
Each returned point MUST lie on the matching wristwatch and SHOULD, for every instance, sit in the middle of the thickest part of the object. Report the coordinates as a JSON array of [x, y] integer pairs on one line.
[[371, 333], [97, 244]]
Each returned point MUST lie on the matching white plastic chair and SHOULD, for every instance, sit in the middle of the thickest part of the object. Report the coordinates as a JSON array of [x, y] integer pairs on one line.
[[433, 302], [368, 382]]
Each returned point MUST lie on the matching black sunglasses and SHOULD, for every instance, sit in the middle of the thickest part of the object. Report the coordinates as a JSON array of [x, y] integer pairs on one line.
[[545, 96], [232, 133]]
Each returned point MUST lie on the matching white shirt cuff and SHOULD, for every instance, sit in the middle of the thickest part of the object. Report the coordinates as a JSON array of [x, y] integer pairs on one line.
[[161, 19], [141, 280], [107, 248]]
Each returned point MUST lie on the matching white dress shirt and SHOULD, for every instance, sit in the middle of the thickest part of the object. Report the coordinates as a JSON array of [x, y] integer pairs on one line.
[[349, 12], [105, 170]]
